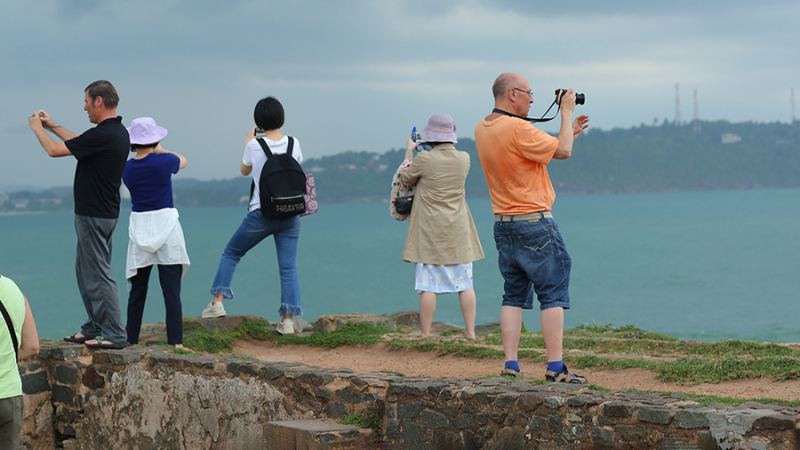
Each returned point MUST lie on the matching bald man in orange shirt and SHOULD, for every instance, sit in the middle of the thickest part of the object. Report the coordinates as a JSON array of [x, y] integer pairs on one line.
[[532, 255]]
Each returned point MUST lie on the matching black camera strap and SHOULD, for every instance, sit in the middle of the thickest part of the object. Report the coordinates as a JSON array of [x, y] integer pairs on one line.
[[530, 119]]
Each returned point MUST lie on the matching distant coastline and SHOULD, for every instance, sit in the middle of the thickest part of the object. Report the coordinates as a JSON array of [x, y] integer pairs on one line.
[[696, 156]]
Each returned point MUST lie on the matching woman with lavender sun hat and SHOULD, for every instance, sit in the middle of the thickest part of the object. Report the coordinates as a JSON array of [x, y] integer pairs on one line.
[[156, 236], [442, 241]]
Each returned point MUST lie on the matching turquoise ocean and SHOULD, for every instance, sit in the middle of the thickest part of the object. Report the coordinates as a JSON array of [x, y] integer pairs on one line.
[[707, 266]]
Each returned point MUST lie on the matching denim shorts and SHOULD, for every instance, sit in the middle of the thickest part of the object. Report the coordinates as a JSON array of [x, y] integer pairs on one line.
[[533, 259]]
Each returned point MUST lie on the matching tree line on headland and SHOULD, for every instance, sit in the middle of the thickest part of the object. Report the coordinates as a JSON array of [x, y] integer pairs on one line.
[[690, 156]]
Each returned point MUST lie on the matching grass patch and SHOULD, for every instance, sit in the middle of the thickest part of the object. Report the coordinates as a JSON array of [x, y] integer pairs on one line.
[[676, 361], [372, 421]]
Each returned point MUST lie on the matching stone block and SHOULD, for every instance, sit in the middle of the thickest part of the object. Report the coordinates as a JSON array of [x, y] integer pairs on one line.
[[462, 421], [66, 374], [323, 393], [412, 435], [576, 402], [486, 328], [554, 402], [485, 397], [530, 401], [92, 379], [619, 409], [431, 419], [556, 423], [311, 434], [509, 438], [35, 383], [631, 433], [498, 417], [604, 421], [60, 352], [329, 324], [776, 422], [408, 318], [602, 437], [393, 429], [415, 389], [705, 441], [447, 440], [661, 415], [449, 410], [335, 410], [692, 418], [63, 394], [123, 357], [506, 400], [409, 411]]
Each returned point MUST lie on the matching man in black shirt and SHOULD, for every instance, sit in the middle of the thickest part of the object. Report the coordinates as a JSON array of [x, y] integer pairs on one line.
[[101, 153]]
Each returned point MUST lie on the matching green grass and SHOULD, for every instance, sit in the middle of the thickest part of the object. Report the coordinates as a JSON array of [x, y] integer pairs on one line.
[[600, 347], [365, 421]]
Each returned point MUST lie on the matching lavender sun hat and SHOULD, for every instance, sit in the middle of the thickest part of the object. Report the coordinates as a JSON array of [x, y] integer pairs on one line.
[[145, 131], [441, 128]]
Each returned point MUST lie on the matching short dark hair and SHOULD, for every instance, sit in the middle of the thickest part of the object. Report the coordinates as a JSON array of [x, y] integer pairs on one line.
[[105, 90], [269, 114], [135, 147]]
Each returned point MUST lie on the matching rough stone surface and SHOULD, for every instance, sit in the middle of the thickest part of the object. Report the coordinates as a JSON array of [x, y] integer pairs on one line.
[[35, 383], [329, 324], [656, 414], [145, 398], [692, 418]]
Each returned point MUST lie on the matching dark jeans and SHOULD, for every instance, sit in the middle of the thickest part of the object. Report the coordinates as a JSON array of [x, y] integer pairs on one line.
[[170, 277]]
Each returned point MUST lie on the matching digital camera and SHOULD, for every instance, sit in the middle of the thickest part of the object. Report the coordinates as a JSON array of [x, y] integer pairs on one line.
[[580, 99]]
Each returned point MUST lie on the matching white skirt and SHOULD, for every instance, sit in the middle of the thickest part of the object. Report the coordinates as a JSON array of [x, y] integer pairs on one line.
[[442, 279]]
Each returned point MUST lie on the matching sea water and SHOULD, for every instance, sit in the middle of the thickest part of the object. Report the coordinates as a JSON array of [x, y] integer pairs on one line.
[[694, 265]]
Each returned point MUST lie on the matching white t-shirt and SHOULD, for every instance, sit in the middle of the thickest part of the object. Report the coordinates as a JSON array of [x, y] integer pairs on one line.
[[255, 157]]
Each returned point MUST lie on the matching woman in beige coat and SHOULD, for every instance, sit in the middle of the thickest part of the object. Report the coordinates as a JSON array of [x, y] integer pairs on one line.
[[442, 239]]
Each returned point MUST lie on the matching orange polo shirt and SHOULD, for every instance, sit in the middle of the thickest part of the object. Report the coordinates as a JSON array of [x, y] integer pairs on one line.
[[514, 155]]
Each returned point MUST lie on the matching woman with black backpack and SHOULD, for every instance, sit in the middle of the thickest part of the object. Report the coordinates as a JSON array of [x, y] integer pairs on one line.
[[258, 224]]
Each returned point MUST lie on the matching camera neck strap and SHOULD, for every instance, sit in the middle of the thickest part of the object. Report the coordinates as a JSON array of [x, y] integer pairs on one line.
[[530, 119]]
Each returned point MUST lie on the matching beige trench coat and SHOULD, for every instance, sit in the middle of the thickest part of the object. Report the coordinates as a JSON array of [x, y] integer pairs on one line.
[[440, 229]]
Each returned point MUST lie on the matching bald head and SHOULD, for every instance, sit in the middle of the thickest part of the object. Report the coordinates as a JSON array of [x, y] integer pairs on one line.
[[511, 93], [505, 82]]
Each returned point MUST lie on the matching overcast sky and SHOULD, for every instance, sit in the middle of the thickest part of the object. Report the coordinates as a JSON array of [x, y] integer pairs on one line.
[[358, 75]]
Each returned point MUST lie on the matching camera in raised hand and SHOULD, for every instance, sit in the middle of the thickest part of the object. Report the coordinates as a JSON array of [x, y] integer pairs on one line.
[[580, 99]]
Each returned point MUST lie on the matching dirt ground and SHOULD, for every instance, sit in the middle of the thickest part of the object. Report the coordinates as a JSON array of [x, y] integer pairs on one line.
[[413, 363]]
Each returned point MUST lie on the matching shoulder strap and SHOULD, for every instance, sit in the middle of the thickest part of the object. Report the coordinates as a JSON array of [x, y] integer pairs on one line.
[[10, 328], [264, 147]]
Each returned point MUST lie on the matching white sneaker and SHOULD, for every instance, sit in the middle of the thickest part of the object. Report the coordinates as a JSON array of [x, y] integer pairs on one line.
[[213, 310], [285, 326]]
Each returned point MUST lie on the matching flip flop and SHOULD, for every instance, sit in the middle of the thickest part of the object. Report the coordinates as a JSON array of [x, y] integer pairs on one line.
[[103, 343], [78, 340]]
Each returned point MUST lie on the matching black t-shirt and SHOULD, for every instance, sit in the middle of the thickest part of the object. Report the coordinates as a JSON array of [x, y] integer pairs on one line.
[[101, 153]]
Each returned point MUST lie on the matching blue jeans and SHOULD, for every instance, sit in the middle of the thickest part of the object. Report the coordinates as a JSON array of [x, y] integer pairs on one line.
[[533, 259], [253, 230]]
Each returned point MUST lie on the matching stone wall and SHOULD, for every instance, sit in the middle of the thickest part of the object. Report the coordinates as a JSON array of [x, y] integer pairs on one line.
[[145, 399]]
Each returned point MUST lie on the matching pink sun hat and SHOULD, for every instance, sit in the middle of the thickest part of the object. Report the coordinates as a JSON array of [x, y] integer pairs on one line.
[[441, 128], [145, 131]]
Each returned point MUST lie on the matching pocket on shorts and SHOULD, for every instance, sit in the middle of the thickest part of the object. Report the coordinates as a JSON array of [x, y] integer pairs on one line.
[[537, 243]]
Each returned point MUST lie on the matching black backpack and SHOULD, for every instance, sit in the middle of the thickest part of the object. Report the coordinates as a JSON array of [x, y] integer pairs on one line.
[[282, 185]]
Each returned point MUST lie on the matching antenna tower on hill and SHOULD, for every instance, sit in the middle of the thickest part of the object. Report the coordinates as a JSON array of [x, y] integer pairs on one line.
[[677, 105], [792, 100], [696, 117]]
